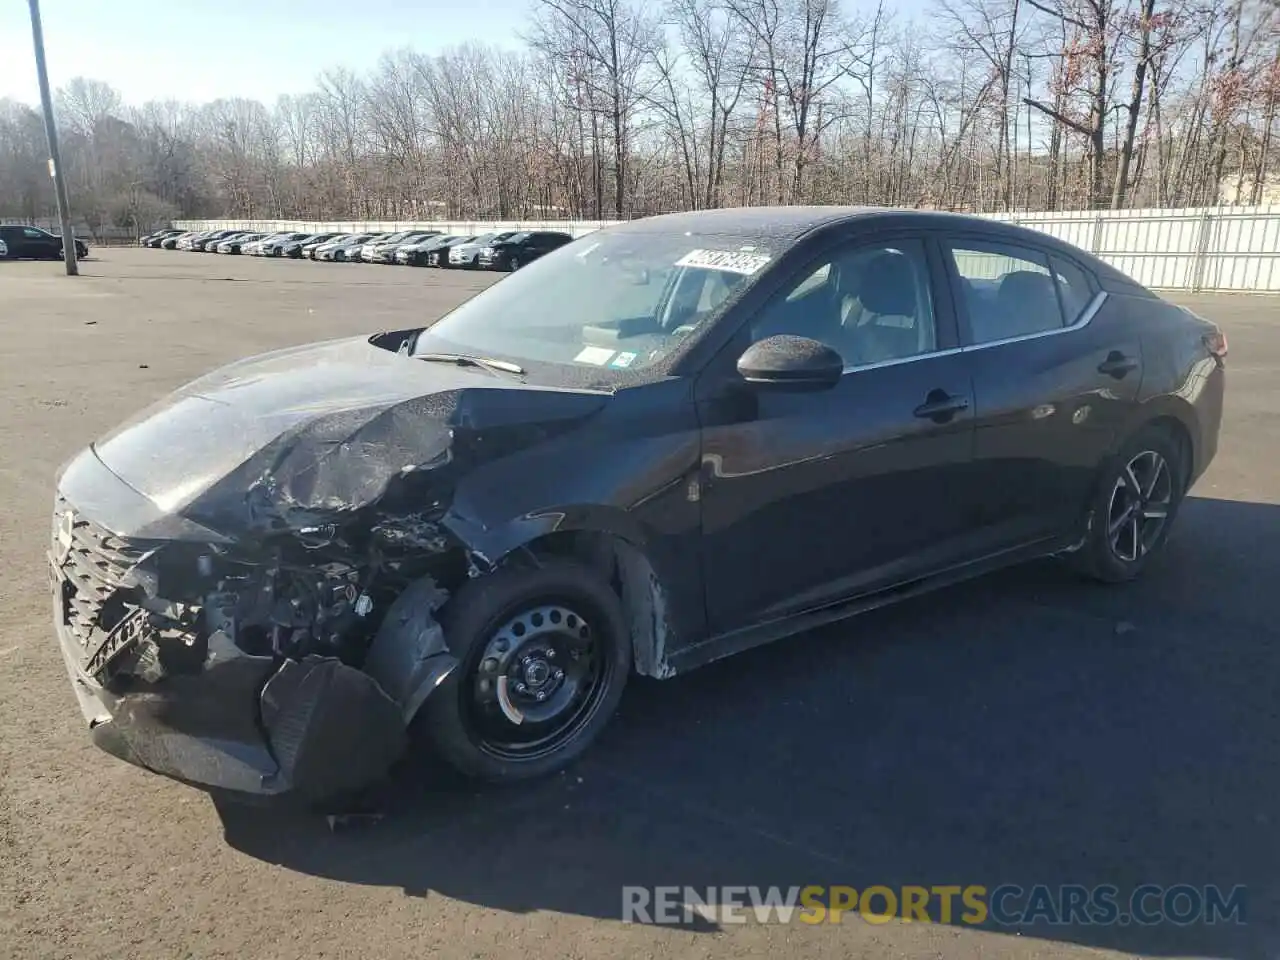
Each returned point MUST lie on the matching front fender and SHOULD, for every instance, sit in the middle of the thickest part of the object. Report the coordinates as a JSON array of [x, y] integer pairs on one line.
[[490, 543], [409, 656]]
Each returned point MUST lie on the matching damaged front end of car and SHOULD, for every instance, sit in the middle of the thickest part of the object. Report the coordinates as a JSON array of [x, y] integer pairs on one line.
[[286, 667], [255, 615]]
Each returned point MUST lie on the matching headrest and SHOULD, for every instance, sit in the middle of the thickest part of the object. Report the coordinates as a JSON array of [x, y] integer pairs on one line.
[[1027, 284], [888, 286]]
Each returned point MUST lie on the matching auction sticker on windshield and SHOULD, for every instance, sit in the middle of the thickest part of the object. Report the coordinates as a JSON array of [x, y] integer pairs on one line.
[[730, 261], [597, 356]]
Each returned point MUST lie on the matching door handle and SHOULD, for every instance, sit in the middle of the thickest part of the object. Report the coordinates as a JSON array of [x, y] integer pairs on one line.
[[940, 406], [1117, 364]]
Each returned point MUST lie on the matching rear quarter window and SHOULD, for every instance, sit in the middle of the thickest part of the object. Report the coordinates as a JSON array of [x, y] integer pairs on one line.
[[1075, 287]]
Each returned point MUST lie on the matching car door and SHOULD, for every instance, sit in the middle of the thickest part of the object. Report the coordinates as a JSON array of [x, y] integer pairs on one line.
[[1054, 376], [552, 241], [37, 243], [809, 498]]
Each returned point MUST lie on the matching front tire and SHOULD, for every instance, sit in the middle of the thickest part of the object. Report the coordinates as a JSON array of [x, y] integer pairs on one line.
[[514, 265], [544, 655], [1134, 507]]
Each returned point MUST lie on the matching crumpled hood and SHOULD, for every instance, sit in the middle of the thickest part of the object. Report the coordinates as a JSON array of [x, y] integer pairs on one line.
[[279, 439]]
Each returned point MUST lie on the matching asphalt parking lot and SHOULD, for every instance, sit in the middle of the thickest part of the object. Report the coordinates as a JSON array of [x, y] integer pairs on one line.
[[1025, 729]]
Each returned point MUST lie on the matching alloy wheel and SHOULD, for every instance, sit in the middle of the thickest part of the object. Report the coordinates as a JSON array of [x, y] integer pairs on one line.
[[1139, 507]]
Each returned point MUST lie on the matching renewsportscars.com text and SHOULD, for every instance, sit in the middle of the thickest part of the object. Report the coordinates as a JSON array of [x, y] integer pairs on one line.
[[1006, 905]]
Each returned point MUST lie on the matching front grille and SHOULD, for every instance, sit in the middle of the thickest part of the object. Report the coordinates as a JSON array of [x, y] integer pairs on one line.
[[98, 598]]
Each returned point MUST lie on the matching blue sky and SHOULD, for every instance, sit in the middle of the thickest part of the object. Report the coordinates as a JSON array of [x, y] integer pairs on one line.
[[205, 49]]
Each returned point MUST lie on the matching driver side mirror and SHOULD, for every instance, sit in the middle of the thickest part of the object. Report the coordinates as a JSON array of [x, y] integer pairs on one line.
[[791, 363]]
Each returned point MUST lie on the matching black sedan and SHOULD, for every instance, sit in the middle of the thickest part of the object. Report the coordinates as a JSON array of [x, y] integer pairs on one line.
[[439, 256], [203, 242], [235, 243], [522, 248], [297, 248], [662, 444], [32, 243], [287, 244], [384, 251], [155, 239], [415, 254]]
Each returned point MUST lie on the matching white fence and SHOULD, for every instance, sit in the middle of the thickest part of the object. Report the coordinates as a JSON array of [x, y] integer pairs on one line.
[[1208, 248]]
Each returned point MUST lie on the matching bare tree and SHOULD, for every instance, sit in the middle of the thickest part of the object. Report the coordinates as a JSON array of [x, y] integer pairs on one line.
[[607, 44], [620, 108], [991, 28]]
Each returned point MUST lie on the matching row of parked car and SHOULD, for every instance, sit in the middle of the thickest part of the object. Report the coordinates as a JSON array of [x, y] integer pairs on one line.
[[505, 250]]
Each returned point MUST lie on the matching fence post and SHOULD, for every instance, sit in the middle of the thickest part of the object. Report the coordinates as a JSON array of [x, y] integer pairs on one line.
[[1202, 249], [1095, 245]]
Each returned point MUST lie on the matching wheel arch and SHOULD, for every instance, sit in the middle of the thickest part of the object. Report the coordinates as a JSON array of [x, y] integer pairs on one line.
[[627, 567], [1175, 417], [1181, 435], [1172, 415]]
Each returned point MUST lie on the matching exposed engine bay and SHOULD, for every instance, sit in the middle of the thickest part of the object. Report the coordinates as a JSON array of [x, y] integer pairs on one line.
[[325, 639]]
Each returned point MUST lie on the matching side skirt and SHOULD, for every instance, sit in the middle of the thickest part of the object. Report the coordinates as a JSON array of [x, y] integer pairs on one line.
[[727, 644]]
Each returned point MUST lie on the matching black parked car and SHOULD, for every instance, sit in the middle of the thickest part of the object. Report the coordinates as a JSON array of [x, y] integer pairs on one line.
[[662, 444], [384, 251], [211, 245], [297, 248], [199, 242], [439, 256], [415, 254], [235, 243], [515, 251], [171, 243], [32, 243], [275, 246], [154, 239]]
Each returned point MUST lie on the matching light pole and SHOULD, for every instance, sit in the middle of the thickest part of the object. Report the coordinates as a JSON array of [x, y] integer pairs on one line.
[[51, 132]]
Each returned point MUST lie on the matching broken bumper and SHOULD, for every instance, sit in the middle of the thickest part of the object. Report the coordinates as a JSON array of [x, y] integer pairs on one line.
[[312, 728], [180, 698]]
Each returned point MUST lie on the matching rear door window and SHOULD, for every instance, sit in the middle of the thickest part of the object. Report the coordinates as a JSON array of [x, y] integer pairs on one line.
[[1007, 290]]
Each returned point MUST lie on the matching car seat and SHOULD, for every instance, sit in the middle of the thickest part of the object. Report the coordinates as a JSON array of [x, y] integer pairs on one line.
[[880, 311], [1026, 302]]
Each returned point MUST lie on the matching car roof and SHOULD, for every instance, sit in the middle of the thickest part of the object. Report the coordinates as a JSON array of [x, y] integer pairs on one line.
[[781, 222], [792, 223]]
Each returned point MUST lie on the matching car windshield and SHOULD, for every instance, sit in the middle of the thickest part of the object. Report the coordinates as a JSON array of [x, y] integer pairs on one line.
[[615, 300]]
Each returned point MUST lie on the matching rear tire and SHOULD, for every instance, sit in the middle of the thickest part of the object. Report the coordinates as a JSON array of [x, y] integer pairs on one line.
[[1135, 504], [550, 645]]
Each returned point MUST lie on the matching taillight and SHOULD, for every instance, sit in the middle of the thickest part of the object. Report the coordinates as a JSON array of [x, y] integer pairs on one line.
[[1216, 343]]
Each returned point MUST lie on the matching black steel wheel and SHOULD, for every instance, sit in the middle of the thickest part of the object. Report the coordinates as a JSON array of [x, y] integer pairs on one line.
[[515, 264], [1135, 504], [544, 656]]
